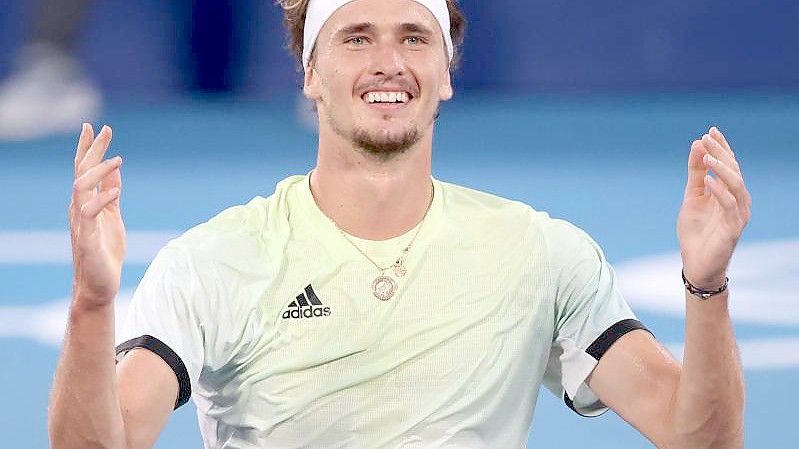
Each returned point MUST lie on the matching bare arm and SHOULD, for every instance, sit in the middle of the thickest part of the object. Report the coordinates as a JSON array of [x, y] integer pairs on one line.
[[709, 406], [696, 405], [84, 407], [701, 404], [95, 404]]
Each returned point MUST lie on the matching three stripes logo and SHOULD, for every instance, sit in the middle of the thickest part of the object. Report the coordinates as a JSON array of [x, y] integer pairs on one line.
[[306, 305]]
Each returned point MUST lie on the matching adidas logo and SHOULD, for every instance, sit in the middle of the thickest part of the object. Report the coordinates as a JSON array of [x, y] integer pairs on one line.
[[307, 305]]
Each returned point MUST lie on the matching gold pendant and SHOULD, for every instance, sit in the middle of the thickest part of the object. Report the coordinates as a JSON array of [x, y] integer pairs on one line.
[[383, 287], [399, 269]]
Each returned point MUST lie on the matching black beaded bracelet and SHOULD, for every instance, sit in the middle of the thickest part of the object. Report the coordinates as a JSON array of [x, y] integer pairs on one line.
[[703, 294]]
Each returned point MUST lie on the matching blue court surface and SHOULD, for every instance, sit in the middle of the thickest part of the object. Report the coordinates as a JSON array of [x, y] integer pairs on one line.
[[613, 165]]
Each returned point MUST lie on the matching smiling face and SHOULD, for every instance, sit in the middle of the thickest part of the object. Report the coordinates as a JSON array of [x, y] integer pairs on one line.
[[378, 73]]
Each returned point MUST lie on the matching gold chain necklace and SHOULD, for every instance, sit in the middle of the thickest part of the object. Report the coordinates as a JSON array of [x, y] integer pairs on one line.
[[383, 286]]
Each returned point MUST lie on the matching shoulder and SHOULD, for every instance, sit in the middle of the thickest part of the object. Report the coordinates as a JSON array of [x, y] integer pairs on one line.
[[485, 210], [232, 229], [564, 246], [573, 256], [240, 230], [479, 209], [466, 198], [563, 235]]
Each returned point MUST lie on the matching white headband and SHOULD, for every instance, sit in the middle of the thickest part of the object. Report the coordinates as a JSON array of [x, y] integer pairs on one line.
[[319, 11]]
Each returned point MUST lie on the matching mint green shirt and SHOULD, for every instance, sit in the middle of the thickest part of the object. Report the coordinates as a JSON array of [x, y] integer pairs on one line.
[[267, 315]]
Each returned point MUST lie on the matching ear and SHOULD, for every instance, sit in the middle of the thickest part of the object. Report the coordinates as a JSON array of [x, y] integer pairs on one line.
[[311, 83], [445, 91]]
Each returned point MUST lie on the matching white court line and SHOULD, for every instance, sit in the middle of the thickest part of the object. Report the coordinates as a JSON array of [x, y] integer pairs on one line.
[[764, 272], [764, 281], [54, 247], [760, 353], [45, 324]]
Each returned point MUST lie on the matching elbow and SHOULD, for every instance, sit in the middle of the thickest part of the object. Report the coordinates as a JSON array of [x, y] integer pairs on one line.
[[723, 428], [56, 432], [62, 437], [69, 429], [718, 440], [62, 442], [714, 422]]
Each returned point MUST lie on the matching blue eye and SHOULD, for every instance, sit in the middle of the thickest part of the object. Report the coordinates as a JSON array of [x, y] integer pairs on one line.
[[357, 40], [415, 40]]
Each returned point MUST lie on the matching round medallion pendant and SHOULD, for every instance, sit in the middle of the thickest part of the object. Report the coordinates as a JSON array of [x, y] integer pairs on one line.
[[384, 288]]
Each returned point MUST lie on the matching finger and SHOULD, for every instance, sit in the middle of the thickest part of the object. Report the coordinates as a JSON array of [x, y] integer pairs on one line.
[[722, 140], [695, 187], [84, 187], [731, 179], [84, 142], [726, 200], [90, 209], [715, 148], [92, 177], [96, 151], [113, 180], [717, 134]]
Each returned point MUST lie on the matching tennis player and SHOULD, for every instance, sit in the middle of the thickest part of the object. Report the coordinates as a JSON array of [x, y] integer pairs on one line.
[[369, 305]]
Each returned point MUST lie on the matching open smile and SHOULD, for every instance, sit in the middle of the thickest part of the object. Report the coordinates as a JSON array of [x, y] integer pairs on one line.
[[387, 99]]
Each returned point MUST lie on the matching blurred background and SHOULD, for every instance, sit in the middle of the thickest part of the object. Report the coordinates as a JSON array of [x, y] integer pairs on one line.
[[582, 109]]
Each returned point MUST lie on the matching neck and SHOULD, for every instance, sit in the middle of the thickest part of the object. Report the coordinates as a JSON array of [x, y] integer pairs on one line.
[[368, 196]]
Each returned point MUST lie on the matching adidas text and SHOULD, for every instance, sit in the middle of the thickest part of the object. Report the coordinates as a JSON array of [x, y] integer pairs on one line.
[[307, 312]]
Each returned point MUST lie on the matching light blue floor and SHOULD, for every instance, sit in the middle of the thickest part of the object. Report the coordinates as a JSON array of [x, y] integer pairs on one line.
[[613, 165]]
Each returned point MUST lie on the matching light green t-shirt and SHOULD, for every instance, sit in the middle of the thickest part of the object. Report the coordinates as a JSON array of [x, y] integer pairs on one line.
[[267, 315]]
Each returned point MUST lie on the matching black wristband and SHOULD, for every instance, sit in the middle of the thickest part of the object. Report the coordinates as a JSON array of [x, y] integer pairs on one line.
[[703, 294]]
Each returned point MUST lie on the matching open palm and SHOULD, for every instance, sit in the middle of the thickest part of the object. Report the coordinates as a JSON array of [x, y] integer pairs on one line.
[[714, 212], [97, 230]]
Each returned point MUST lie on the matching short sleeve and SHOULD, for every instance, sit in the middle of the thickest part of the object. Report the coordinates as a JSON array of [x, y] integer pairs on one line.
[[163, 318], [591, 315]]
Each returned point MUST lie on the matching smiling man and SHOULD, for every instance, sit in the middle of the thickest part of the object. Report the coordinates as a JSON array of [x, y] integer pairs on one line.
[[368, 305]]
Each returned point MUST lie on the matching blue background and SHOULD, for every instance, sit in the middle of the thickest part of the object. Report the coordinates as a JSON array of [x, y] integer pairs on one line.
[[139, 48], [583, 109]]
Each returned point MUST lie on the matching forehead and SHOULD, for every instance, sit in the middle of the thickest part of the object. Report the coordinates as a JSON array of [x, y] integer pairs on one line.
[[388, 14]]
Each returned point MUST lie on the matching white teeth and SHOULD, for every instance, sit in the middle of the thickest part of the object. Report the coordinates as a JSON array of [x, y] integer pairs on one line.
[[387, 97]]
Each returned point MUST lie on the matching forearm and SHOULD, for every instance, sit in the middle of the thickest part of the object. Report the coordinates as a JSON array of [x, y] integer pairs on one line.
[[84, 406], [709, 402]]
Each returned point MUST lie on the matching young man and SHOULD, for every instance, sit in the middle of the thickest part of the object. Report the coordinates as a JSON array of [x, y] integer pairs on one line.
[[368, 305]]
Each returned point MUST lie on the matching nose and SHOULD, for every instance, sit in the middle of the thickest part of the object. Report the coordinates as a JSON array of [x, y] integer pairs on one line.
[[387, 60]]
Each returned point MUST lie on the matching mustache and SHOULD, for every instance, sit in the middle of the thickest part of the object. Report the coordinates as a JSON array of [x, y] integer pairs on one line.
[[393, 83]]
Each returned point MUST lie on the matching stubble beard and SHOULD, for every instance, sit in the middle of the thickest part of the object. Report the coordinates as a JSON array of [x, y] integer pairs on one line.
[[382, 144]]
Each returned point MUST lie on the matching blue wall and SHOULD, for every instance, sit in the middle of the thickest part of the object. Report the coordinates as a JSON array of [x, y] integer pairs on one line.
[[682, 44], [135, 48]]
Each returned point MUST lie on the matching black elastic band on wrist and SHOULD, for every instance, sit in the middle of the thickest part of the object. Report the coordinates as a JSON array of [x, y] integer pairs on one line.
[[703, 294]]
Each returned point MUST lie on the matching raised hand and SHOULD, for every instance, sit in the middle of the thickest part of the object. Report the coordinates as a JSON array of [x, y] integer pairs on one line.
[[97, 231], [714, 212]]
